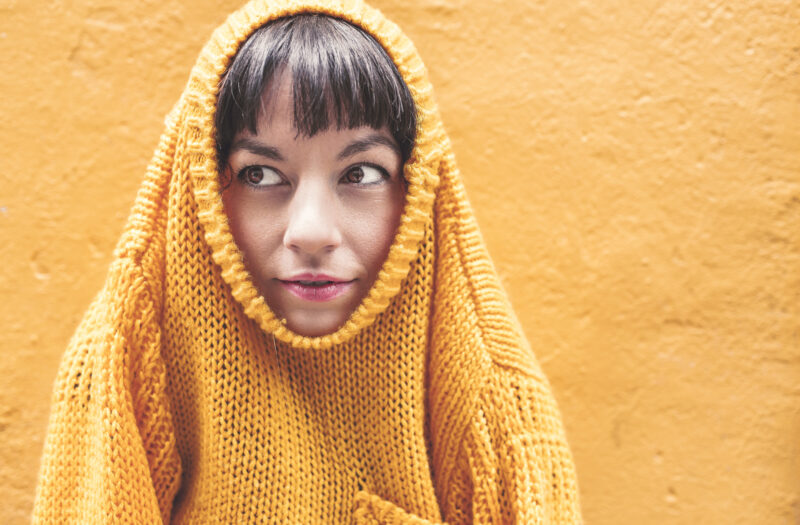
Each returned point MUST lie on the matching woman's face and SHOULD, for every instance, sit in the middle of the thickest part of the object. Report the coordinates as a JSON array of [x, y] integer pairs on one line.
[[313, 216]]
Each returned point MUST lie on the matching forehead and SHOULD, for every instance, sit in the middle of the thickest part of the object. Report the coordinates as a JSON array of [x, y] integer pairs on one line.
[[277, 118], [277, 111], [276, 131]]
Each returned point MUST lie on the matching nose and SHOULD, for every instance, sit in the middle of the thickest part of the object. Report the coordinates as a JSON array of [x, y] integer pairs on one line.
[[312, 227]]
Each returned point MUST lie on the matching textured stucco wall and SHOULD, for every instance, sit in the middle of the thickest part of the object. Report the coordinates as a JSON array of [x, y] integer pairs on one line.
[[635, 169]]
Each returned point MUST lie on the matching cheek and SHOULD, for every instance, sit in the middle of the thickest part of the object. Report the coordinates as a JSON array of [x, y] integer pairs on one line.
[[253, 227], [371, 229]]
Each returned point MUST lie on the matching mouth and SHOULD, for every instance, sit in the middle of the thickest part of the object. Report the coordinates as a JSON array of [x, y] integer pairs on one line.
[[316, 288]]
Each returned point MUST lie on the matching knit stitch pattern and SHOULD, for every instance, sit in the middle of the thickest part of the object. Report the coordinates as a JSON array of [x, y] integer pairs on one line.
[[182, 398]]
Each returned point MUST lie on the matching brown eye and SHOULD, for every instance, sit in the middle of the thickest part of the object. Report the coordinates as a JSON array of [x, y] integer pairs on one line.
[[260, 176], [354, 175], [254, 175], [364, 175]]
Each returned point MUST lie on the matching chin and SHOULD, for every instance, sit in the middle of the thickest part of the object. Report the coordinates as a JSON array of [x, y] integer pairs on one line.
[[314, 324]]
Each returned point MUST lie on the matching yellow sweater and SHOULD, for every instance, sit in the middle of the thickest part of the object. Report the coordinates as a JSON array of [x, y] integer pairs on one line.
[[182, 398]]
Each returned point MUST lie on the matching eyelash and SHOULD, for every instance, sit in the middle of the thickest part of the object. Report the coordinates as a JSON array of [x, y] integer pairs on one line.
[[242, 173]]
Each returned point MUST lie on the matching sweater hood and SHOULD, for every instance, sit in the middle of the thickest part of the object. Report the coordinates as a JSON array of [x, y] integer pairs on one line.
[[190, 127]]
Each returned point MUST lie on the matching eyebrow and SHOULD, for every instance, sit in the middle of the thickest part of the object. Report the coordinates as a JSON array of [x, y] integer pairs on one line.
[[357, 146], [376, 139], [257, 148]]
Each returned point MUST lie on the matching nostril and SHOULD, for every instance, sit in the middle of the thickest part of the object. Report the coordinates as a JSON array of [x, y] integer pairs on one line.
[[312, 237]]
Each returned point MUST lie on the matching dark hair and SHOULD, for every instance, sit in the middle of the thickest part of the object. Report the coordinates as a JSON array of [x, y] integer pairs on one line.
[[340, 76]]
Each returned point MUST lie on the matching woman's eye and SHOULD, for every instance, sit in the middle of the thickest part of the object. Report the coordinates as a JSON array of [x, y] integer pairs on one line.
[[364, 175], [260, 176]]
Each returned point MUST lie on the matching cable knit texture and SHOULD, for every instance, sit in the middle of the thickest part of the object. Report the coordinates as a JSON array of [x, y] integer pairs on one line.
[[182, 398]]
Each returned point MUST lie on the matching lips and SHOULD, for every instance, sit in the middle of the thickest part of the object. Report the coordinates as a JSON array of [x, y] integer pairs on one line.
[[316, 287]]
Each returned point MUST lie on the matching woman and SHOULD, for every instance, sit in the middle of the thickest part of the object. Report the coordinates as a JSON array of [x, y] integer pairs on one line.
[[301, 323]]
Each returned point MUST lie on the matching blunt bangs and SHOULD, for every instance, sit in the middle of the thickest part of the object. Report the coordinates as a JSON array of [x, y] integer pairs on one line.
[[340, 77]]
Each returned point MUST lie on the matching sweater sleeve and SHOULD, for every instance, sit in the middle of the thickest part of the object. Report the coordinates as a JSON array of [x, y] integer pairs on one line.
[[110, 454], [520, 466]]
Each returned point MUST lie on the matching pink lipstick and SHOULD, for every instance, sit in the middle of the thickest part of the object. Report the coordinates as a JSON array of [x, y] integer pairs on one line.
[[316, 287]]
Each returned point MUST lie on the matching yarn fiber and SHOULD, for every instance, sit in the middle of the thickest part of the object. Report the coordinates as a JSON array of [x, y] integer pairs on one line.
[[182, 398]]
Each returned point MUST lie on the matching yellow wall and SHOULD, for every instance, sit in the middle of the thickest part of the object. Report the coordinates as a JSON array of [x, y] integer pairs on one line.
[[635, 168]]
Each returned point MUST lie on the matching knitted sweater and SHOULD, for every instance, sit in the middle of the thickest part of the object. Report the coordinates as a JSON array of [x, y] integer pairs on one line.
[[182, 398]]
